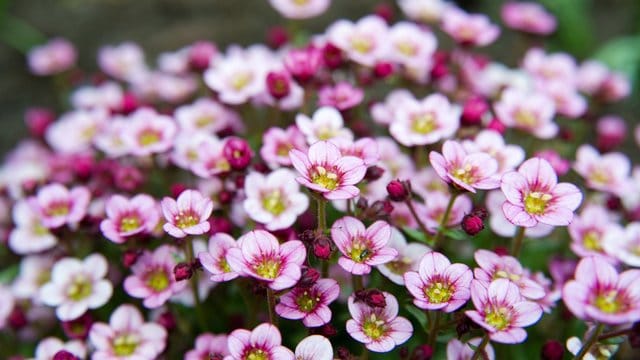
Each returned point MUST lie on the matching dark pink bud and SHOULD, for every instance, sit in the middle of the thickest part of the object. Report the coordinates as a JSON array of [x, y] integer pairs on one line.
[[82, 166], [303, 64], [398, 190], [383, 69], [237, 152], [634, 335], [64, 355], [167, 320], [552, 350], [200, 55], [565, 134], [38, 120], [182, 271], [496, 125], [374, 173], [481, 212], [309, 277], [322, 247], [473, 110], [129, 103], [130, 257], [611, 131], [372, 297], [278, 84], [176, 189], [327, 330], [225, 197], [501, 250], [277, 37], [385, 11], [220, 225], [79, 328], [332, 56], [422, 352], [472, 224], [17, 318], [127, 178]]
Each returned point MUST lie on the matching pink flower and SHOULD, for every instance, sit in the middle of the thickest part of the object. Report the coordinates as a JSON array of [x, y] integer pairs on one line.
[[236, 77], [528, 17], [48, 347], [326, 171], [77, 286], [187, 215], [433, 210], [207, 158], [469, 29], [494, 266], [153, 279], [530, 112], [314, 347], [624, 245], [277, 142], [588, 231], [208, 346], [607, 172], [438, 284], [502, 311], [128, 217], [425, 122], [492, 143], [7, 304], [300, 9], [303, 64], [599, 293], [215, 259], [264, 342], [429, 11], [34, 269], [127, 336], [466, 171], [559, 164], [546, 68], [30, 234], [411, 45], [57, 205], [534, 195], [54, 57], [595, 79], [362, 247], [379, 329], [311, 304], [457, 350], [409, 256], [502, 226], [363, 148], [327, 124], [364, 42], [342, 96], [124, 61], [148, 132], [204, 115], [260, 256], [275, 199]]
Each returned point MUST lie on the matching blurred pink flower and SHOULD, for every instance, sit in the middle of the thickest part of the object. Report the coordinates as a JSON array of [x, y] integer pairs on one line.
[[204, 115], [530, 112], [624, 245], [311, 304], [326, 124], [30, 235], [48, 348], [187, 215], [528, 17], [277, 142], [208, 346], [149, 132], [293, 9], [588, 230], [264, 342], [54, 57], [128, 217], [408, 258], [494, 266], [469, 29], [604, 172], [425, 122], [342, 96], [364, 42], [215, 259], [58, 205]]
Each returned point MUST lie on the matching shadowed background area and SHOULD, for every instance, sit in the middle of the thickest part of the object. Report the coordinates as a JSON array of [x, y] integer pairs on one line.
[[587, 27]]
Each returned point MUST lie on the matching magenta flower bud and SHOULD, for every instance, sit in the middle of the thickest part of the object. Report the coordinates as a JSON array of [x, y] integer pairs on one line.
[[303, 64], [238, 153], [383, 69], [277, 37], [225, 197], [200, 55], [496, 126], [372, 297], [332, 56], [422, 352], [327, 330], [472, 224], [385, 11], [373, 173], [308, 278], [501, 251], [127, 178], [129, 103], [38, 120], [167, 320], [473, 110], [398, 190], [220, 225], [130, 257], [182, 271], [552, 350], [17, 318], [611, 132], [78, 329], [176, 189], [322, 248], [559, 164], [64, 355], [278, 84]]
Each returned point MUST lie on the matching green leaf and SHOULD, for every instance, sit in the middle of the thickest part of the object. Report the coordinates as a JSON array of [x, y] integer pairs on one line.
[[455, 234], [614, 340], [418, 314], [7, 275], [416, 235]]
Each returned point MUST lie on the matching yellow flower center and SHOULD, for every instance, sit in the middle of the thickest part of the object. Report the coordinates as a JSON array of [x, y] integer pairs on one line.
[[374, 328], [241, 80], [273, 202], [423, 123], [148, 137], [43, 277], [307, 301], [608, 302], [256, 354], [525, 118], [536, 202], [283, 149], [125, 344], [58, 209], [591, 241], [498, 318], [325, 133], [184, 220], [224, 265], [501, 274], [268, 268], [399, 266], [79, 289], [464, 174], [599, 176], [361, 44], [359, 251], [40, 230], [406, 48], [204, 121], [438, 292], [158, 280], [324, 178], [129, 223]]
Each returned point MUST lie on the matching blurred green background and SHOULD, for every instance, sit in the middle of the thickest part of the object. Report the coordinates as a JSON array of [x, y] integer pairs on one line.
[[609, 29]]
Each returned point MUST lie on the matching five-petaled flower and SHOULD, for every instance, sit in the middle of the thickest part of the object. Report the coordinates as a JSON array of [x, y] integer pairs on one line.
[[187, 215]]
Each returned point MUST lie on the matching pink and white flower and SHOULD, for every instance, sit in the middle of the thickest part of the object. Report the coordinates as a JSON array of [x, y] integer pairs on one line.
[[263, 342], [379, 329], [534, 195], [107, 96], [599, 293], [432, 211], [129, 217], [209, 159], [427, 11], [311, 304], [494, 266], [293, 9], [409, 256], [411, 45], [58, 205], [469, 29], [54, 57], [363, 148], [277, 142], [595, 79], [77, 286], [364, 42], [326, 171], [624, 245], [343, 96], [149, 132], [274, 199], [438, 284], [530, 112], [48, 347], [608, 172], [362, 247], [457, 350], [588, 231], [466, 171], [35, 271], [326, 124], [127, 336], [215, 259], [260, 256], [124, 61], [503, 227], [490, 142], [30, 234], [425, 122], [314, 347], [237, 77], [75, 131], [501, 310], [152, 277], [207, 346], [546, 68], [187, 215], [528, 17], [204, 115]]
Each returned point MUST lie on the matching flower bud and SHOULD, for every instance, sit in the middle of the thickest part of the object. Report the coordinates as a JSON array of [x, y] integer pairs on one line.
[[308, 278], [344, 354], [17, 318], [385, 11], [472, 224], [130, 257], [176, 189], [78, 329], [127, 178], [200, 55], [552, 350], [129, 103], [182, 271], [422, 352], [383, 69], [496, 125], [225, 197], [332, 56], [611, 131], [327, 330], [220, 225], [167, 320], [278, 84], [501, 250], [64, 355], [38, 120], [398, 190], [322, 247], [372, 297], [277, 37], [303, 64], [238, 153], [473, 110]]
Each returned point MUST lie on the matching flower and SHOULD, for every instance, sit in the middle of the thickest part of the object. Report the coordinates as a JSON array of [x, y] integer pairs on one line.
[[534, 195], [54, 57], [277, 142], [380, 329], [501, 311], [362, 248], [466, 171], [47, 348], [208, 346], [457, 350], [263, 342], [469, 29], [503, 227], [409, 256], [124, 61], [599, 293], [624, 245], [30, 234], [77, 286], [325, 170], [530, 112], [314, 347], [432, 211], [425, 122], [438, 284], [259, 255], [490, 142], [528, 17], [311, 304], [187, 215], [215, 259], [148, 132], [411, 45], [237, 76], [342, 96], [364, 42], [58, 205], [127, 336], [589, 229], [152, 277], [274, 199], [608, 172], [494, 266], [300, 9], [204, 115], [128, 217], [326, 124], [7, 304], [35, 271]]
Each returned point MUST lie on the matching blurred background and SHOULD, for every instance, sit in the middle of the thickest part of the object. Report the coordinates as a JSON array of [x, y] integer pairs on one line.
[[606, 29]]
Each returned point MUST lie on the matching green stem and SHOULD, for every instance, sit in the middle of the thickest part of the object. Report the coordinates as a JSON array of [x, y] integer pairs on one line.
[[443, 221], [321, 229], [433, 330], [589, 343], [480, 349], [271, 304], [356, 281], [413, 212], [365, 354], [517, 241], [200, 314], [613, 334]]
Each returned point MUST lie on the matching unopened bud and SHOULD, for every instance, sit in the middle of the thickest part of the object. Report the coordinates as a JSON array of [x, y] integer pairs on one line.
[[182, 271]]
